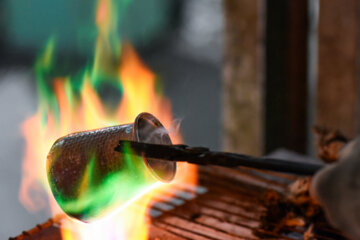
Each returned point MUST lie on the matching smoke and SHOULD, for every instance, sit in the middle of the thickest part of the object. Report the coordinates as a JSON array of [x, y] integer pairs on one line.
[[160, 135], [175, 126]]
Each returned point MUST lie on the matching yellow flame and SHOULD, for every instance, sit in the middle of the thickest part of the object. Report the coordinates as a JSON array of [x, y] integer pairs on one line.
[[66, 112]]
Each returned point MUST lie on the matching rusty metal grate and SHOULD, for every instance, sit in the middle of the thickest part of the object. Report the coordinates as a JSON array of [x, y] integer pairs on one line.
[[225, 205]]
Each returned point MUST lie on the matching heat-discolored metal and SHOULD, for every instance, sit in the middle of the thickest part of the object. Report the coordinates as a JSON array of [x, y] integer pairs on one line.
[[82, 167]]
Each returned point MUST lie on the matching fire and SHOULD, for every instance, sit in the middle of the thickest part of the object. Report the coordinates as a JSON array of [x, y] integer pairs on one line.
[[72, 103]]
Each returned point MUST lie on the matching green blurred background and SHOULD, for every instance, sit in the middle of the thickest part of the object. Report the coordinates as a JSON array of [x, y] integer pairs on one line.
[[29, 23]]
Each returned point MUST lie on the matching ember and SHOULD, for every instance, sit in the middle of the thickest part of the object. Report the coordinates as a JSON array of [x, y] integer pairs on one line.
[[227, 205]]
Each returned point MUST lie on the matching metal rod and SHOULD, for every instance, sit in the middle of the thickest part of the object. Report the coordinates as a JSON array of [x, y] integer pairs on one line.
[[203, 156]]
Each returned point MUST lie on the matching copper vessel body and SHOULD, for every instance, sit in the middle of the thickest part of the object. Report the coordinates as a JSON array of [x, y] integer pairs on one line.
[[71, 156]]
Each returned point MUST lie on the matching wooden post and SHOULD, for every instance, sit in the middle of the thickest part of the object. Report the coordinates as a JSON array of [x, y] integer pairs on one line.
[[338, 72], [286, 74], [243, 76]]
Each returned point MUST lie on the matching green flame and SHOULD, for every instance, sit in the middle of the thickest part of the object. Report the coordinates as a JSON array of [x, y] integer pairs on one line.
[[96, 195], [102, 70], [97, 198]]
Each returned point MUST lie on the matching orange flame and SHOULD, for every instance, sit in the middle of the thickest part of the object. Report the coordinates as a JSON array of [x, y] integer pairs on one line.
[[90, 112], [87, 111]]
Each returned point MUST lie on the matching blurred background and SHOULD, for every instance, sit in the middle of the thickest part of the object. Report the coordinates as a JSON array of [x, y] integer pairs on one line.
[[242, 75]]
